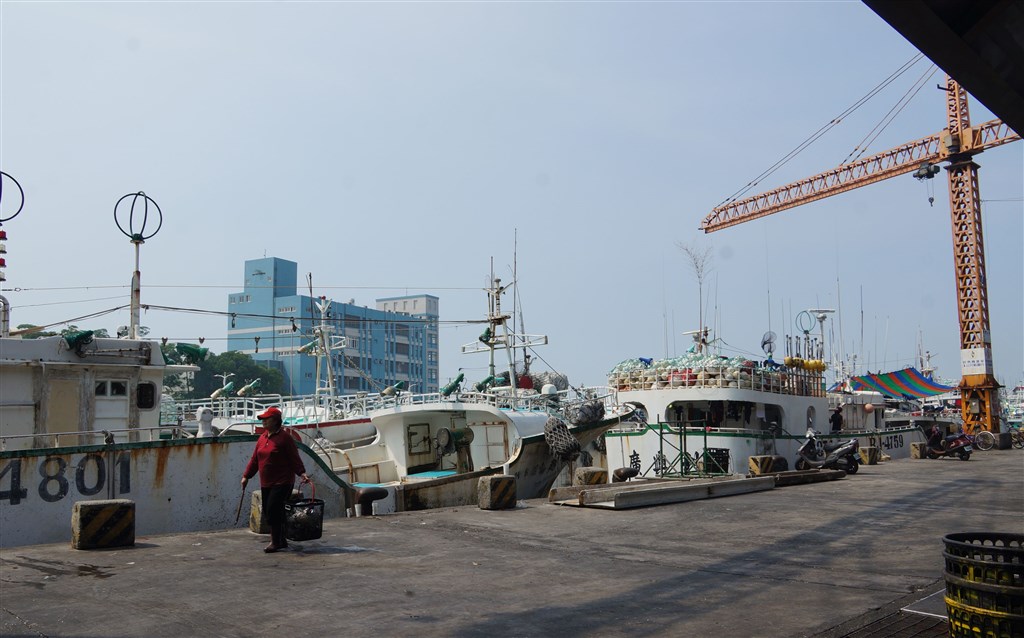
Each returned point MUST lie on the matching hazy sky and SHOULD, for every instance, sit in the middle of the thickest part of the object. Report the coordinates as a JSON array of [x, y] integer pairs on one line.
[[394, 148]]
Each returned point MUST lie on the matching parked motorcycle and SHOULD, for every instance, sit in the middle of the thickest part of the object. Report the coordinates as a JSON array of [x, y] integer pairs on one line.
[[814, 454], [957, 445]]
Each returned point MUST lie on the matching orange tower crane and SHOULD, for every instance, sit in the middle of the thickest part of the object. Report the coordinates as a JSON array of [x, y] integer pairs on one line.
[[957, 145]]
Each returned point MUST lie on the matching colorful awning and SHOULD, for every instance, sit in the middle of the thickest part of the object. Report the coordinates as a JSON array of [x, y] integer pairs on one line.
[[906, 383]]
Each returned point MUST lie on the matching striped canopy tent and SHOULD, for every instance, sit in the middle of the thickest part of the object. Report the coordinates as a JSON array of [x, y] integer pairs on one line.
[[907, 383]]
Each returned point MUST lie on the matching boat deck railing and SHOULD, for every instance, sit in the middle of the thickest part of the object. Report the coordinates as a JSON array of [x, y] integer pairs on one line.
[[320, 407], [782, 380], [92, 437], [639, 427]]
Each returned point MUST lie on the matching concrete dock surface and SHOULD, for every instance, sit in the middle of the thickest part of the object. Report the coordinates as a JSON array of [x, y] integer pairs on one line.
[[837, 558]]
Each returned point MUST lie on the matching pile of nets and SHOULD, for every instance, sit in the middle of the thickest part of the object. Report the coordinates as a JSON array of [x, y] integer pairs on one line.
[[690, 360]]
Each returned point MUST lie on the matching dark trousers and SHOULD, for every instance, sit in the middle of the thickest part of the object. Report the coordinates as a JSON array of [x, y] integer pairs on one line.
[[274, 499]]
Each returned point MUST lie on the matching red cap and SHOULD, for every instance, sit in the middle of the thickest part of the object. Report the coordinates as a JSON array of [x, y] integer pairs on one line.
[[269, 413]]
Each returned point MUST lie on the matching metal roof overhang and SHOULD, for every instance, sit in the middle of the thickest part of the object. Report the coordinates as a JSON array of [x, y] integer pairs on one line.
[[977, 42]]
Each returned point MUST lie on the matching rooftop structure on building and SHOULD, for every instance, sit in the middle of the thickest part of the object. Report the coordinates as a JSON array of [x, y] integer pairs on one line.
[[397, 341]]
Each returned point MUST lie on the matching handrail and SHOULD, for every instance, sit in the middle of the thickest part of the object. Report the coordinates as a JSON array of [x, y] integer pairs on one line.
[[101, 436], [789, 381], [313, 408]]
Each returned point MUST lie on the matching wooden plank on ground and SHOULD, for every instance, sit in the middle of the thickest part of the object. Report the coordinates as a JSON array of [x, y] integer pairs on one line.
[[674, 493]]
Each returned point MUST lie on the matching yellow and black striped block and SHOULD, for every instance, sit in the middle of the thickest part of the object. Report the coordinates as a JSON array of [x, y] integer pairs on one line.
[[102, 524], [256, 523], [767, 464], [918, 450], [589, 476], [496, 492], [869, 455]]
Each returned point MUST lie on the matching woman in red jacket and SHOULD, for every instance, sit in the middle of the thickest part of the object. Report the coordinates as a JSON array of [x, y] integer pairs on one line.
[[277, 460]]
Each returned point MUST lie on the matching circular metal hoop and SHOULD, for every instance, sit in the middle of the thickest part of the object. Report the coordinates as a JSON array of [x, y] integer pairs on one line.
[[21, 196], [136, 231]]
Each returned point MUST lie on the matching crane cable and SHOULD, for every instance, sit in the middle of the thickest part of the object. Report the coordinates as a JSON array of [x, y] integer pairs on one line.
[[821, 131], [912, 92]]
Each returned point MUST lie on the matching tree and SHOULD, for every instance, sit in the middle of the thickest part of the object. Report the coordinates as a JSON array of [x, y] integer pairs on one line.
[[241, 366], [35, 331]]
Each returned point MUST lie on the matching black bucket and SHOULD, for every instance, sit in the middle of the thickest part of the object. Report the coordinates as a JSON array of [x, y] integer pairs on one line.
[[304, 519], [984, 584]]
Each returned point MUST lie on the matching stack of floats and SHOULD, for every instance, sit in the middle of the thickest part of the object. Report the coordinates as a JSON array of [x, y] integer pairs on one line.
[[709, 371]]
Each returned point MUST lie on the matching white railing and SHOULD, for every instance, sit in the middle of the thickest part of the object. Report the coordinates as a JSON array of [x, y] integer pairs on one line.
[[91, 437], [318, 408], [793, 381]]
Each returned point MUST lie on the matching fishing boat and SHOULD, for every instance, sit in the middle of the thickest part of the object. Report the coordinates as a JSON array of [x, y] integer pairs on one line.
[[708, 414], [430, 450], [1014, 406], [81, 420], [324, 417], [907, 398]]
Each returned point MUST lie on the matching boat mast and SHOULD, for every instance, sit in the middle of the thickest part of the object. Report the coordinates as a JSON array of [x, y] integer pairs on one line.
[[497, 335], [323, 345], [135, 229]]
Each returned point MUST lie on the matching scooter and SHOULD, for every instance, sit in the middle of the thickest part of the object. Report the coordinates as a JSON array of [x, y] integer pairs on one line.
[[957, 445], [814, 454]]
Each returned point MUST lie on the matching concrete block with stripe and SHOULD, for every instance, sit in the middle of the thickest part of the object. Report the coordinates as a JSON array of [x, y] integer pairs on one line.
[[103, 524], [496, 492], [870, 455], [767, 464], [590, 476]]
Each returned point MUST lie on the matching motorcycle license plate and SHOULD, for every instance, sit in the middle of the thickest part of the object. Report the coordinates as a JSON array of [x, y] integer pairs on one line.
[[967, 448]]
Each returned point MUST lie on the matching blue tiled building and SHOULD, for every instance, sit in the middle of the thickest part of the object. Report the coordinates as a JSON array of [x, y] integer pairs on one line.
[[396, 341]]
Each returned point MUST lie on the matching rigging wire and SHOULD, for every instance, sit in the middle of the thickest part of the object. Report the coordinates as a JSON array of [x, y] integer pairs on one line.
[[821, 131], [58, 303], [67, 321], [218, 286], [861, 148], [347, 318]]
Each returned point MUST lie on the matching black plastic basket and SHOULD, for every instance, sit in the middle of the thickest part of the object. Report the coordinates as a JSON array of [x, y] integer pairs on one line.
[[984, 584], [304, 518], [986, 557]]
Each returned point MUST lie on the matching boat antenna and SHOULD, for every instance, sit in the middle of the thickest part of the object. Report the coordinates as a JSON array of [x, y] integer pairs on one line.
[[5, 306], [135, 231], [767, 278]]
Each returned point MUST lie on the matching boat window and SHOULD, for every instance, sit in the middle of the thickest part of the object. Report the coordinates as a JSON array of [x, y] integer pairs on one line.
[[101, 388], [146, 396], [810, 416], [118, 388]]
